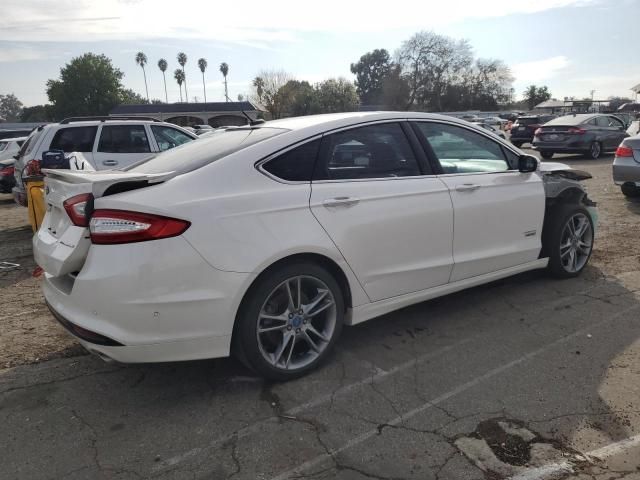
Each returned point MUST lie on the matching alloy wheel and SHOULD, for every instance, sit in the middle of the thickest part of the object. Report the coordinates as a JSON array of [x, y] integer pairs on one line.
[[595, 150], [576, 243], [296, 322]]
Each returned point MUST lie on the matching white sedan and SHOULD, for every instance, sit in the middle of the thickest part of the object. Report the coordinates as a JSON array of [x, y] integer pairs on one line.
[[264, 240]]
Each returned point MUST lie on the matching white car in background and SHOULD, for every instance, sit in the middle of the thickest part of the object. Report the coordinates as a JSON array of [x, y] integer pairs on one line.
[[106, 143], [9, 147], [264, 240]]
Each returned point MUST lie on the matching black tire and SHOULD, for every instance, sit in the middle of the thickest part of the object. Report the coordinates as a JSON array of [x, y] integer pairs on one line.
[[630, 190], [246, 345], [552, 236], [595, 151], [546, 155]]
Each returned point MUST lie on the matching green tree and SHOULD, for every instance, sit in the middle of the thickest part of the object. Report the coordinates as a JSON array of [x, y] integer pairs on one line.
[[10, 107], [395, 90], [37, 113], [337, 95], [141, 60], [202, 65], [162, 65], [88, 85], [130, 97], [179, 76], [299, 98], [224, 69], [370, 72], [534, 95], [182, 60]]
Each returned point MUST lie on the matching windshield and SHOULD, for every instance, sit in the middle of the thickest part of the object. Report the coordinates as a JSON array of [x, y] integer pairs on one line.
[[201, 152]]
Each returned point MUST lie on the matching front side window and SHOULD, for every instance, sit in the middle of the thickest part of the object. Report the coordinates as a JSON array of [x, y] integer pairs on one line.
[[168, 137], [602, 121], [74, 139], [296, 165], [374, 151], [123, 139], [463, 151]]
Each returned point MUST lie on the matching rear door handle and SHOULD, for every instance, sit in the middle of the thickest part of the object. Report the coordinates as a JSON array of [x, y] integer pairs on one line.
[[467, 187], [110, 163], [340, 202]]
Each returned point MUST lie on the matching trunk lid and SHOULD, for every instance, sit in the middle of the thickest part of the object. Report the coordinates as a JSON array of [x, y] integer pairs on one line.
[[59, 246]]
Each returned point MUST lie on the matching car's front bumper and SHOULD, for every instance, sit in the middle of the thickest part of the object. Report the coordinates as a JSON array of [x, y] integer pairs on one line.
[[626, 170], [153, 301]]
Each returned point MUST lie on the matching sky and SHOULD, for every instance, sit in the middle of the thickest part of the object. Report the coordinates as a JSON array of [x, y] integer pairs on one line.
[[572, 46]]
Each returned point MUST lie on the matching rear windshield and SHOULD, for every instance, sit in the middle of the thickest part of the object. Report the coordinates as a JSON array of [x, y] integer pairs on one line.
[[527, 121], [201, 152]]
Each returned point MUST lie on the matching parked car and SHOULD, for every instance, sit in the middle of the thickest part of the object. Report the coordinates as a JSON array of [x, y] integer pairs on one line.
[[524, 127], [586, 133], [626, 166], [8, 149], [491, 129], [105, 142], [200, 129], [14, 133], [265, 240], [494, 121]]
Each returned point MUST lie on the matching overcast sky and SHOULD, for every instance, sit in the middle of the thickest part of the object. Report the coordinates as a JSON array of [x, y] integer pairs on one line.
[[573, 46]]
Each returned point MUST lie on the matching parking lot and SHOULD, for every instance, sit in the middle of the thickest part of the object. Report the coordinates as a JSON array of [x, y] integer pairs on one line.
[[528, 377]]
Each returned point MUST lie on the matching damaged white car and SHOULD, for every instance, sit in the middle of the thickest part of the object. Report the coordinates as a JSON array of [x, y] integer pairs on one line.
[[265, 240]]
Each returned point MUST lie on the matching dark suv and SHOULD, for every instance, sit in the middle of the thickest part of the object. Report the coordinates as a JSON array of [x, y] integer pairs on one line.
[[588, 133], [524, 127]]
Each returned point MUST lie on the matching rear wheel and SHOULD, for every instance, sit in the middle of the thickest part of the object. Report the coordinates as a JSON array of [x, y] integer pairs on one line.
[[568, 240], [595, 150], [630, 190], [290, 321], [546, 155]]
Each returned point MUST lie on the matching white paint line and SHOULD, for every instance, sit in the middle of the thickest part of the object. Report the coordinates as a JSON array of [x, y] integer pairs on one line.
[[615, 448], [243, 432], [296, 471], [546, 471]]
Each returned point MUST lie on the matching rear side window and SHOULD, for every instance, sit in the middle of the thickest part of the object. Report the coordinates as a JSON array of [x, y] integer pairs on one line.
[[74, 139], [374, 151], [201, 152], [296, 165], [123, 139], [168, 137]]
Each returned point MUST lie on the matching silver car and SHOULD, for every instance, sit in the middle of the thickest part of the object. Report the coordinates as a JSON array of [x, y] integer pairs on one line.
[[626, 166]]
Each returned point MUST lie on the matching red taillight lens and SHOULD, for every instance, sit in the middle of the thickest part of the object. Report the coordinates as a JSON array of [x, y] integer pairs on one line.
[[79, 209], [624, 152], [577, 131], [7, 171], [33, 167], [110, 227], [537, 132]]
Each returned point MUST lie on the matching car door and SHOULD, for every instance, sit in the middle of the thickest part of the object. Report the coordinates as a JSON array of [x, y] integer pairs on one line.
[[390, 218], [498, 211], [618, 131], [121, 145]]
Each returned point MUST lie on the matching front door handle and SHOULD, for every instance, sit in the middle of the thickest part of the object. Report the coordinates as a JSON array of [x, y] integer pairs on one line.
[[340, 202], [467, 187], [110, 163]]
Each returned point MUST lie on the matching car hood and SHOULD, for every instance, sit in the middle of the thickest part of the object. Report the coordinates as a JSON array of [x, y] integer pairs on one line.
[[563, 170]]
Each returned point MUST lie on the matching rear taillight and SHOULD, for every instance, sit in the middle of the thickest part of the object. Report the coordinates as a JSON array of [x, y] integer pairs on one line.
[[7, 171], [576, 131], [624, 151], [110, 227], [79, 209], [537, 132]]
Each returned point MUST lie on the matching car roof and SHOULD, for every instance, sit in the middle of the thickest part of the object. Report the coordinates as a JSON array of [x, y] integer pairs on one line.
[[576, 119], [12, 139]]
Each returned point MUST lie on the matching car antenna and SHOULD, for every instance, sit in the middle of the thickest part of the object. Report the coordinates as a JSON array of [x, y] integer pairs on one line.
[[251, 121]]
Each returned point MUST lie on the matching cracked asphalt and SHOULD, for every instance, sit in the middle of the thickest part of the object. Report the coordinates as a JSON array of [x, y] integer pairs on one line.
[[561, 358]]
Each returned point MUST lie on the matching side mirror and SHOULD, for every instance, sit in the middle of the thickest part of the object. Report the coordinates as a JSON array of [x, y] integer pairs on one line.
[[54, 159], [527, 163]]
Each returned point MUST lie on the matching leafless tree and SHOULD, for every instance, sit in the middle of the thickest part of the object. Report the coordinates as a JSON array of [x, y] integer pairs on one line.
[[269, 91]]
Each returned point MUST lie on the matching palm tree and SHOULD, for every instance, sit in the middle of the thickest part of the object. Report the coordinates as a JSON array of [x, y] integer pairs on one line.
[[202, 64], [182, 60], [224, 69], [141, 59], [258, 82], [162, 65], [179, 76]]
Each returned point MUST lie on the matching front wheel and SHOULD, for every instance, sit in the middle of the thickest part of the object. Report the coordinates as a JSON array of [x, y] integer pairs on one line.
[[595, 150], [568, 241], [290, 321], [546, 155]]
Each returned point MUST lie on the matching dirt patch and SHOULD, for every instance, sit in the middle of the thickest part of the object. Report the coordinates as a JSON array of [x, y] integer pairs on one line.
[[507, 446]]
